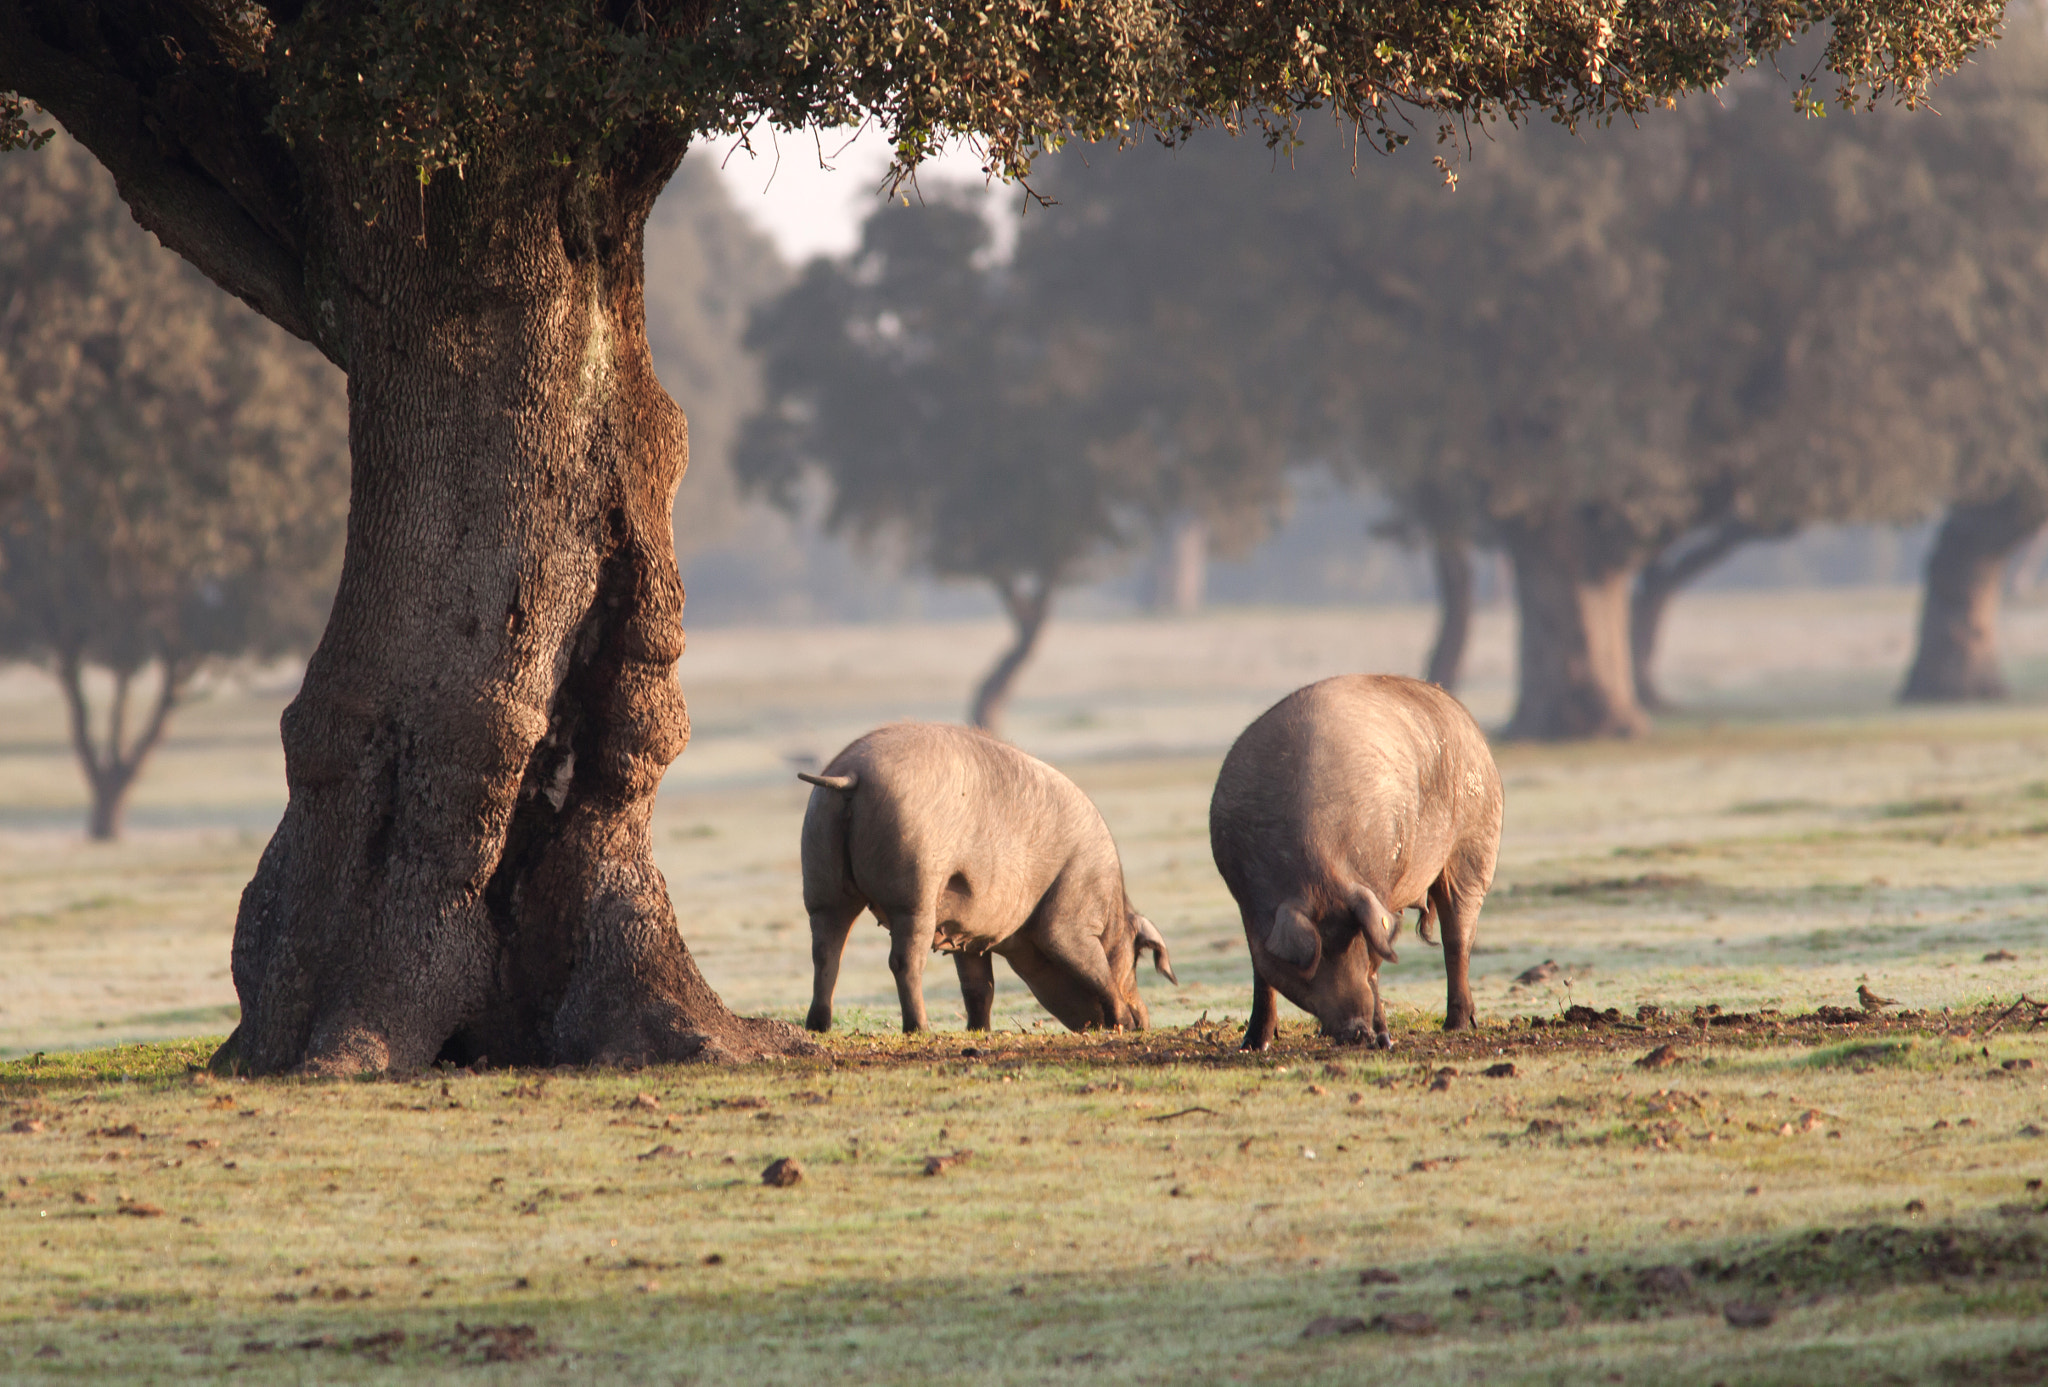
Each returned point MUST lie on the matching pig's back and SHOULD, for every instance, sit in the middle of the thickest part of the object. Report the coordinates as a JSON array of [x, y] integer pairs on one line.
[[1360, 776], [936, 799]]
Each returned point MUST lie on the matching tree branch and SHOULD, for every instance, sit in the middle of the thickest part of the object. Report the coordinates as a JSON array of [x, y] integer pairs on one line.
[[71, 675], [175, 673], [230, 207]]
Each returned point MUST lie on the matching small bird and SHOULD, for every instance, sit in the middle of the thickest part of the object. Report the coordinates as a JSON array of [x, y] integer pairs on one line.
[[1542, 972], [1871, 1001]]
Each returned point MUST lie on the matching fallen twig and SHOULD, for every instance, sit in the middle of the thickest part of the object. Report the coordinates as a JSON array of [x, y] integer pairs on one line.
[[1169, 1116]]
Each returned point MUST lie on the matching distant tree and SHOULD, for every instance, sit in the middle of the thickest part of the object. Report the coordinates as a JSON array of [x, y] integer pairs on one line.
[[1960, 289], [708, 268], [1194, 342], [1511, 380], [917, 382], [1861, 307], [1862, 304], [173, 469]]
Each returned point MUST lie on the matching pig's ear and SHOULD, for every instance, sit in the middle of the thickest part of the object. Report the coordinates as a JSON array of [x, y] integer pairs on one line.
[[1150, 938], [1294, 939], [1379, 923]]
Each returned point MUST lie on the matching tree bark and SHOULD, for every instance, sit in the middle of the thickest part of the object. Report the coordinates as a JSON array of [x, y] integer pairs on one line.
[[1957, 658], [1182, 575], [1572, 596], [1028, 605], [1451, 556], [464, 870], [112, 761], [1670, 569]]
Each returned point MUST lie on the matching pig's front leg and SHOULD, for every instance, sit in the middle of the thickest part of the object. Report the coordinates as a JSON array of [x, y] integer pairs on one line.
[[1258, 1031], [977, 987]]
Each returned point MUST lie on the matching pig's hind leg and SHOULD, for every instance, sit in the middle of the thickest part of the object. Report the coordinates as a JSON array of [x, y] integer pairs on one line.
[[910, 942], [829, 927], [1458, 916], [977, 987]]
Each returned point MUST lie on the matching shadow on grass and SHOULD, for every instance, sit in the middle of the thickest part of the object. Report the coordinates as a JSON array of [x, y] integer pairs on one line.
[[1961, 1300]]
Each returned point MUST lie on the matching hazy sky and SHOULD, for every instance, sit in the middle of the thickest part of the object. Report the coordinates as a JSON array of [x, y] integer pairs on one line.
[[813, 207]]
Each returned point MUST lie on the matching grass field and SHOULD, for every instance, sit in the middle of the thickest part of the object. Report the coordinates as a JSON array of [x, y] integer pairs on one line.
[[1152, 1208]]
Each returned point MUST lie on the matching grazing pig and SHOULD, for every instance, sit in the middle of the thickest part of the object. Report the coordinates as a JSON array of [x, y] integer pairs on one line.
[[1341, 806], [963, 843]]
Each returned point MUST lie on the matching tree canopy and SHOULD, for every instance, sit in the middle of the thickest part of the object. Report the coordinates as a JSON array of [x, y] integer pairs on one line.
[[194, 103]]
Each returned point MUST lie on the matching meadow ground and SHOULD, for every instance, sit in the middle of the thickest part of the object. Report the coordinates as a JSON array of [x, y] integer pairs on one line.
[[1135, 1209]]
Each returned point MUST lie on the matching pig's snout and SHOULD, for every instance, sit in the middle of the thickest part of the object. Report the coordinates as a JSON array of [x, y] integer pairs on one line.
[[1356, 1031]]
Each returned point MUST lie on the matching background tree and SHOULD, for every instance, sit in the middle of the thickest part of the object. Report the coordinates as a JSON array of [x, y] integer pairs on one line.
[[943, 415], [708, 268], [173, 470], [1958, 298], [1192, 334], [464, 865]]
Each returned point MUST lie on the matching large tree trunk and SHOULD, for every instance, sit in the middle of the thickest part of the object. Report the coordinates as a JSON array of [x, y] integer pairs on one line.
[[464, 869], [1028, 605], [112, 759], [1957, 657], [1181, 576], [1670, 569], [1572, 596], [1451, 556]]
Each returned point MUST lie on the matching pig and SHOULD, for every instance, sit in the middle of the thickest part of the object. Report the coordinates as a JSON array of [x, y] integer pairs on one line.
[[962, 843], [1343, 805]]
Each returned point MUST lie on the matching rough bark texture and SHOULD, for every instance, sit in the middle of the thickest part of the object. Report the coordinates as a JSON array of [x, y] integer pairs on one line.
[[1451, 557], [1572, 589], [1957, 658], [1028, 604], [1668, 571], [113, 760], [464, 869]]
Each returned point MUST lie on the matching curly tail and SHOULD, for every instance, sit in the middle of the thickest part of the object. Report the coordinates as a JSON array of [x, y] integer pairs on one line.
[[830, 782]]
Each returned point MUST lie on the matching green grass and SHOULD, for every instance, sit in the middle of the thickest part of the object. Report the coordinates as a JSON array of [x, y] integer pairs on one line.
[[1136, 1209], [1867, 1185]]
